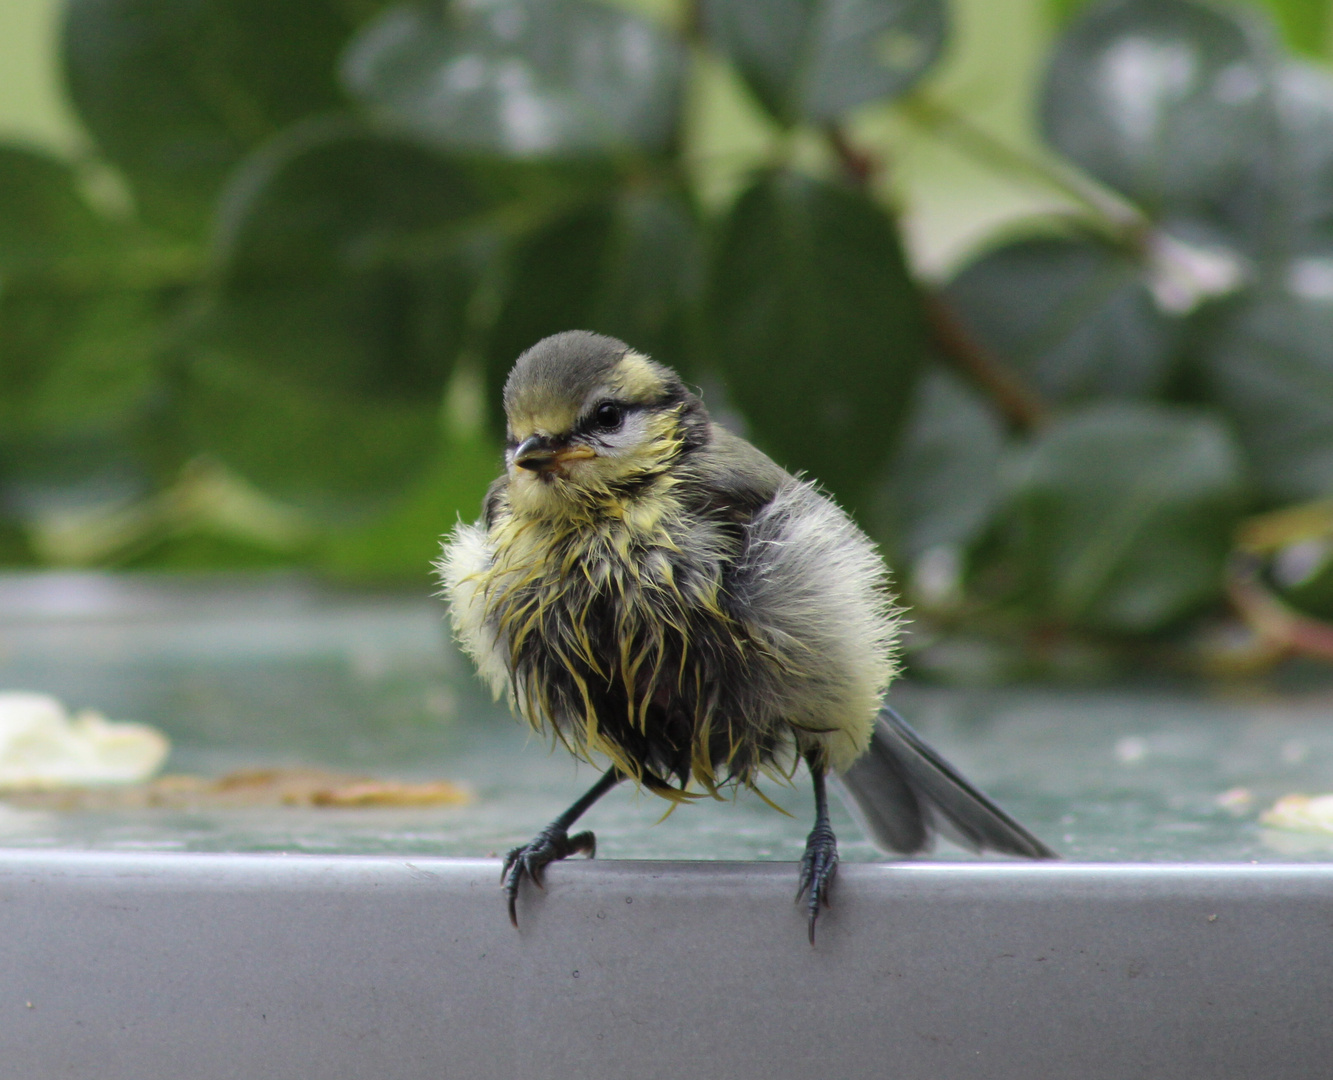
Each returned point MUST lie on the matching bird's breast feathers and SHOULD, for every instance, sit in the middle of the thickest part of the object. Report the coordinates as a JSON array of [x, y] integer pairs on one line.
[[647, 568], [775, 634]]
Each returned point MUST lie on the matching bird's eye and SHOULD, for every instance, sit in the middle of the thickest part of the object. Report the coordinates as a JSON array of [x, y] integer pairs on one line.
[[608, 416]]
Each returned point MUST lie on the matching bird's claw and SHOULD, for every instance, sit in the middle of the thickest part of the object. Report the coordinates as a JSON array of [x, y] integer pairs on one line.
[[531, 860], [819, 865]]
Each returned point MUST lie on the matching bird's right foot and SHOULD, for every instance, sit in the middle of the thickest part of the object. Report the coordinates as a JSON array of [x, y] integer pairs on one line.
[[531, 860], [818, 868]]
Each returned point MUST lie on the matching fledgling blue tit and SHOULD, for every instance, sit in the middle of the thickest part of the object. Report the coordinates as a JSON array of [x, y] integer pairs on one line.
[[655, 591]]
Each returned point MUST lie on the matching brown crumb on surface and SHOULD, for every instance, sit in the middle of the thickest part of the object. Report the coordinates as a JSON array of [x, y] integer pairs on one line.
[[247, 788]]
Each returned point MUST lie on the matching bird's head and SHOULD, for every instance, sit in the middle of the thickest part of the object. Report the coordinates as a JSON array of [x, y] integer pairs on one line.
[[592, 423]]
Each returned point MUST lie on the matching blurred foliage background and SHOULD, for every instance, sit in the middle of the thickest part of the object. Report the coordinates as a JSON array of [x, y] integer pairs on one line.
[[1042, 290]]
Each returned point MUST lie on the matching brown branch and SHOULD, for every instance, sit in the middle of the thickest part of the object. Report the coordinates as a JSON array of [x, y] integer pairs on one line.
[[1019, 403], [1272, 618], [1021, 406], [1123, 221], [859, 166], [692, 22]]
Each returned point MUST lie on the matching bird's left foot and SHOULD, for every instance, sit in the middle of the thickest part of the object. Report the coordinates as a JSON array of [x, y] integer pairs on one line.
[[818, 867], [532, 859]]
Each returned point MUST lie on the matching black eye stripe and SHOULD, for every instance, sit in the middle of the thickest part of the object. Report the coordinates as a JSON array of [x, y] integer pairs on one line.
[[596, 422]]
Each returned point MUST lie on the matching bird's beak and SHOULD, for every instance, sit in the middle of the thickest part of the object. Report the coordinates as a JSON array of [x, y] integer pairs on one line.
[[537, 454]]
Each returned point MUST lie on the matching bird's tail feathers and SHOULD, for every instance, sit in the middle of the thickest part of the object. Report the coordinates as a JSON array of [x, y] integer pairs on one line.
[[902, 792]]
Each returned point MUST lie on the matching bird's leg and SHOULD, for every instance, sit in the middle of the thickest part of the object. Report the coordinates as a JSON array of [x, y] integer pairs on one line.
[[820, 862], [552, 843]]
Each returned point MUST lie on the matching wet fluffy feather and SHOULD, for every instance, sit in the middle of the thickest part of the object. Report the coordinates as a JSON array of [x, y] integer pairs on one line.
[[692, 611]]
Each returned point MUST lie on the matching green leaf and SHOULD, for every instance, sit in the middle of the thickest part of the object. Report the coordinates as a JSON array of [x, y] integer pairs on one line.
[[341, 264], [1164, 100], [43, 219], [1301, 192], [404, 543], [325, 449], [41, 473], [1284, 207], [816, 325], [202, 553], [1302, 571], [14, 550], [1268, 361], [521, 78], [1061, 11], [1125, 514], [73, 356], [815, 60], [176, 91], [629, 265], [943, 481], [77, 347], [1304, 23], [1073, 317]]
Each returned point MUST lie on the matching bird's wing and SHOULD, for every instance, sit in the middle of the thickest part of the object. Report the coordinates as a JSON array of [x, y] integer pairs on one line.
[[732, 476], [495, 494], [904, 791]]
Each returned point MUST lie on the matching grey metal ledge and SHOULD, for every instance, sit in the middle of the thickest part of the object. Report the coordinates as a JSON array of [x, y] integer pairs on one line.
[[170, 965]]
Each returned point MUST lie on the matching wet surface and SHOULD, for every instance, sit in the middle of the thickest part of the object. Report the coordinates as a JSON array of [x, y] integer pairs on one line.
[[270, 672]]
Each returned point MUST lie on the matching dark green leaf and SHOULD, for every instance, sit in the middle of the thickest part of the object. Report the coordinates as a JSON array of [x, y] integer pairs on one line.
[[1062, 11], [1301, 190], [406, 541], [41, 472], [1303, 572], [814, 60], [203, 552], [340, 264], [78, 344], [521, 78], [325, 449], [42, 217], [817, 327], [1164, 100], [1074, 318], [1125, 515], [176, 91], [1269, 362], [1284, 207], [14, 550], [629, 265], [72, 357], [943, 480]]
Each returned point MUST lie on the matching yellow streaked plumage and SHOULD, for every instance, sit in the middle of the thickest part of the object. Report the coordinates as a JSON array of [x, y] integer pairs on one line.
[[652, 590]]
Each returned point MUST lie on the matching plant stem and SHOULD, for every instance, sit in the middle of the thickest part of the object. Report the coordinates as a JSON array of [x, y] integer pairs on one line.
[[1123, 220], [692, 22], [1018, 403], [860, 166], [1021, 406]]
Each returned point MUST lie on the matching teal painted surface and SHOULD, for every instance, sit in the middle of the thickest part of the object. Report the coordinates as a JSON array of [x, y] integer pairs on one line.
[[264, 671]]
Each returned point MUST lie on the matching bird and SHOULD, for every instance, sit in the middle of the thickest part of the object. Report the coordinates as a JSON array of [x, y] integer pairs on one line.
[[653, 591]]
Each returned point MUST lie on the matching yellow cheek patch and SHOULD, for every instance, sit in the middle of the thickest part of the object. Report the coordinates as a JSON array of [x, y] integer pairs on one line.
[[636, 378], [663, 425]]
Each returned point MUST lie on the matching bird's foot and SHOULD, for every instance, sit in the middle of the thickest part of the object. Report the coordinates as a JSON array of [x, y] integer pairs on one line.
[[819, 865], [532, 859]]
